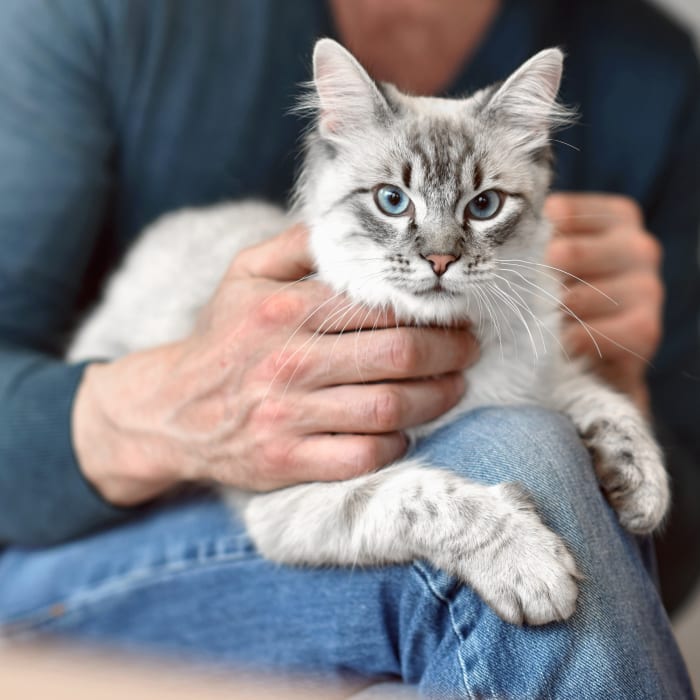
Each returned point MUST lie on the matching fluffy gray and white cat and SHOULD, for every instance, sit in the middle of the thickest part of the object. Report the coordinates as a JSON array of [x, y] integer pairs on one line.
[[432, 207]]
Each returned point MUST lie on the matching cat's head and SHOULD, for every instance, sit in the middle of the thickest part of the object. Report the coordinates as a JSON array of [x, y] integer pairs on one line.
[[412, 201]]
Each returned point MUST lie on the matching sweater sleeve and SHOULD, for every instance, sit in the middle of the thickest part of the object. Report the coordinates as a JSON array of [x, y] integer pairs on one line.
[[56, 149]]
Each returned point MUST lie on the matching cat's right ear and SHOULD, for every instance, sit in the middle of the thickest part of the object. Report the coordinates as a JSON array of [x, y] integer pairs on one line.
[[349, 100], [527, 101]]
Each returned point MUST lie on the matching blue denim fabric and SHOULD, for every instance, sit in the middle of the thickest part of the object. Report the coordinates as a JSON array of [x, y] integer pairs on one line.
[[185, 580]]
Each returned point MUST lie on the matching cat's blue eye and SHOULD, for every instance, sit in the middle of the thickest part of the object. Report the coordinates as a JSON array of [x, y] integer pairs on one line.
[[485, 205], [392, 200]]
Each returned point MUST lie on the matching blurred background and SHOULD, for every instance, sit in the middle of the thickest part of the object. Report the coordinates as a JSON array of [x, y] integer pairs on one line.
[[686, 10], [687, 622]]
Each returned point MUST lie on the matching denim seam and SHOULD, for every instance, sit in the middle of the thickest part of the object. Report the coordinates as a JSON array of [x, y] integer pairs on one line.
[[425, 578], [78, 601]]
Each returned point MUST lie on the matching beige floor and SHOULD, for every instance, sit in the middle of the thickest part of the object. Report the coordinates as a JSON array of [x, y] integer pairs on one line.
[[687, 628]]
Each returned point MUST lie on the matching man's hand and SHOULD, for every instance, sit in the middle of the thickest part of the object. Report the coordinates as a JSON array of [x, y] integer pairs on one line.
[[267, 391], [602, 240]]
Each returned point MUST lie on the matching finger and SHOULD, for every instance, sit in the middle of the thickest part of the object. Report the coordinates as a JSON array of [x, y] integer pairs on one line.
[[612, 252], [341, 457], [611, 296], [379, 408], [285, 257], [389, 354], [339, 314], [573, 213], [312, 305]]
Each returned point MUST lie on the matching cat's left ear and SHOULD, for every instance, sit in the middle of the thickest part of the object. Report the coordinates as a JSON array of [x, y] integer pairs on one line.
[[349, 100], [527, 101]]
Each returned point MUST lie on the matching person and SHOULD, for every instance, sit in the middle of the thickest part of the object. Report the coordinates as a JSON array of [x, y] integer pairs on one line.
[[113, 113]]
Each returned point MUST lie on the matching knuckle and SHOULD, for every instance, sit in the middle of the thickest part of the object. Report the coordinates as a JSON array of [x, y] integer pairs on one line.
[[284, 367], [367, 455], [281, 309], [268, 416], [385, 412], [276, 460], [650, 249], [403, 352]]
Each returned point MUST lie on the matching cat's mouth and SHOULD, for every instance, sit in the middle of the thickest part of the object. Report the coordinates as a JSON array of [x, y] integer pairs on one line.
[[435, 289]]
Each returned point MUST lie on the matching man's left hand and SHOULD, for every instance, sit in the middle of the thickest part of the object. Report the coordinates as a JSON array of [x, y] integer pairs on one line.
[[602, 239]]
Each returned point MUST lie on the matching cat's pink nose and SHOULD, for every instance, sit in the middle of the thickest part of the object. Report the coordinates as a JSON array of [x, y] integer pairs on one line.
[[440, 263]]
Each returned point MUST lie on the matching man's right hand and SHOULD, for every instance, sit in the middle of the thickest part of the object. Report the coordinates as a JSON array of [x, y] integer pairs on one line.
[[269, 390]]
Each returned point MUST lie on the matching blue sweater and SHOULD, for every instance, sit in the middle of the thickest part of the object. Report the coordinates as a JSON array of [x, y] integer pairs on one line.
[[112, 113]]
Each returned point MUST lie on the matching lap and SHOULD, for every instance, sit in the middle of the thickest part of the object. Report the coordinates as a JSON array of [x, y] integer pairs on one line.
[[185, 579]]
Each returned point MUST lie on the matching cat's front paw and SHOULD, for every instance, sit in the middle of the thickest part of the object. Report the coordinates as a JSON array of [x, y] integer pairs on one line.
[[521, 568], [630, 469]]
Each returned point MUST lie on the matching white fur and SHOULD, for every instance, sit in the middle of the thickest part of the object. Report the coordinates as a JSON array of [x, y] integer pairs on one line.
[[489, 537]]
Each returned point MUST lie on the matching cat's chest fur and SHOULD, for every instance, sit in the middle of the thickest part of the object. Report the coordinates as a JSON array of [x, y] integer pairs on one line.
[[510, 371]]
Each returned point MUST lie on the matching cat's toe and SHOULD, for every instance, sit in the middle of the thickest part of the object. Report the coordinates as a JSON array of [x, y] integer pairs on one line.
[[536, 603], [643, 511], [640, 495], [548, 589]]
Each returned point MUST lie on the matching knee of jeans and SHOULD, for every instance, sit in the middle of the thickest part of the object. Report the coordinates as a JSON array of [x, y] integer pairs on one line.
[[533, 446]]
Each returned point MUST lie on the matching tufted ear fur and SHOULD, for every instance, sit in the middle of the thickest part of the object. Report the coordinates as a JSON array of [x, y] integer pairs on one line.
[[527, 100], [349, 100]]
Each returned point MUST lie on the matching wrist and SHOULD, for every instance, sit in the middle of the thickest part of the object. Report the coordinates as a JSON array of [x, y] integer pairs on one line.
[[117, 453]]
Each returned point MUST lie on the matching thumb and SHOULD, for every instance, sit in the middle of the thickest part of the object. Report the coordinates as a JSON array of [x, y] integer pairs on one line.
[[285, 257]]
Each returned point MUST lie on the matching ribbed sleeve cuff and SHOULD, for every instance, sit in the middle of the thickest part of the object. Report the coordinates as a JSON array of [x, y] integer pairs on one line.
[[44, 498]]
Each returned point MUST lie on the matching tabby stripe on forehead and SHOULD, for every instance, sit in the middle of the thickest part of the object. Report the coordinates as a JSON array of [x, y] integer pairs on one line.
[[478, 177], [425, 160], [406, 174]]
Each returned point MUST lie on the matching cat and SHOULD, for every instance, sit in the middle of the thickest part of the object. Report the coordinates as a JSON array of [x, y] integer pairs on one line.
[[432, 207]]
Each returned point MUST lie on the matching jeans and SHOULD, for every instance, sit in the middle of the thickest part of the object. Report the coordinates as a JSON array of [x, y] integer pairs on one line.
[[184, 579]]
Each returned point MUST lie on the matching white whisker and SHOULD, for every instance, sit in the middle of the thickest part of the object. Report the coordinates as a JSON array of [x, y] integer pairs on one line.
[[558, 301], [521, 304], [528, 263]]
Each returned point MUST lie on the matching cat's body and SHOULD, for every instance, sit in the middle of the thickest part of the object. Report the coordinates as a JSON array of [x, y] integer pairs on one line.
[[435, 261]]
